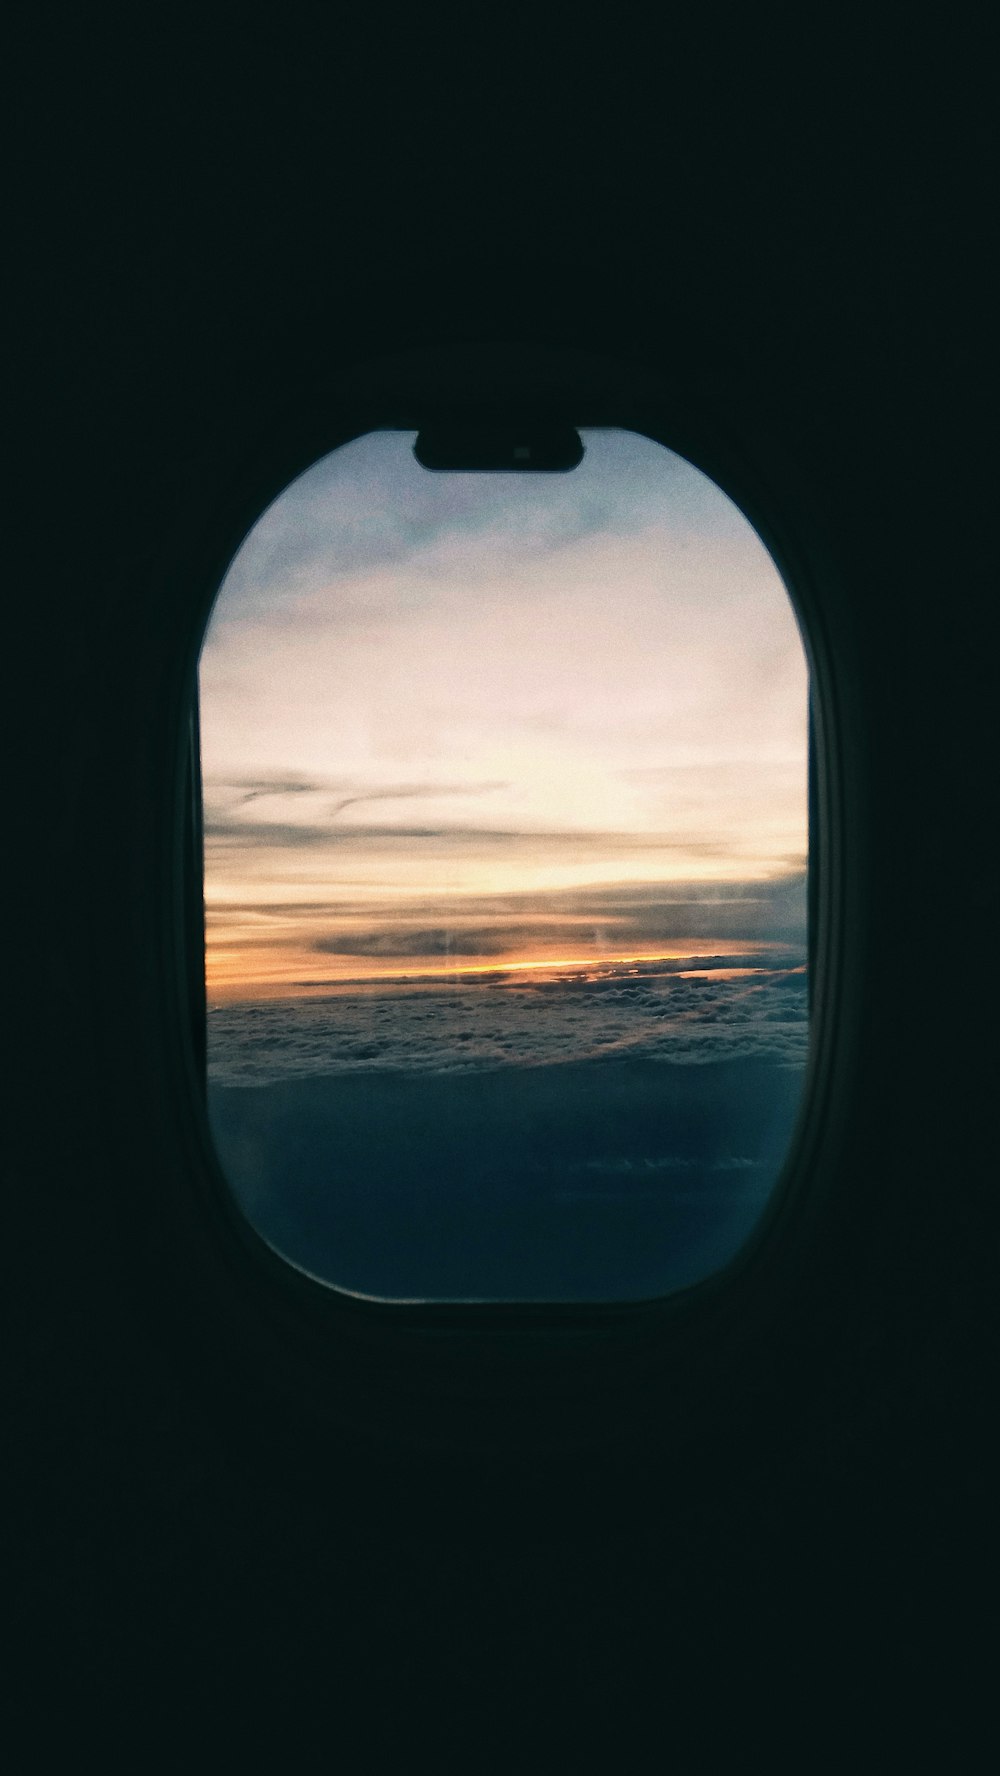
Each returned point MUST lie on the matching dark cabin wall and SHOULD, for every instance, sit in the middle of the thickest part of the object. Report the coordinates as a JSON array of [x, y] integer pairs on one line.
[[761, 1551]]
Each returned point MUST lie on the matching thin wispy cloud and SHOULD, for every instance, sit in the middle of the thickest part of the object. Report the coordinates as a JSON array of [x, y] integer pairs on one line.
[[776, 907], [262, 835], [221, 794], [400, 940], [262, 791], [405, 792]]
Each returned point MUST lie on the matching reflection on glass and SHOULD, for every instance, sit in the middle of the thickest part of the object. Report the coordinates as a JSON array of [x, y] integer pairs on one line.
[[505, 875]]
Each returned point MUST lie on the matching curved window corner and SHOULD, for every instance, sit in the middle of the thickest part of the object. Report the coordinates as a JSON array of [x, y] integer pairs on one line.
[[505, 779]]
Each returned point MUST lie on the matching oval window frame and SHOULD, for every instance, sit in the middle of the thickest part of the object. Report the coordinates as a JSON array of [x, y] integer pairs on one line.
[[526, 1340]]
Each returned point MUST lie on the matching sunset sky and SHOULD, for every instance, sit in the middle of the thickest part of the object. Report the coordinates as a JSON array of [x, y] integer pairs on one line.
[[471, 721]]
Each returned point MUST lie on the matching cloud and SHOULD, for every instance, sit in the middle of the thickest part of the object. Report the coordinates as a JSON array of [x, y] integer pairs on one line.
[[223, 829], [229, 832], [221, 793], [222, 833], [226, 793], [685, 993], [639, 898], [400, 941], [492, 1022], [370, 505], [399, 792], [624, 918], [283, 786]]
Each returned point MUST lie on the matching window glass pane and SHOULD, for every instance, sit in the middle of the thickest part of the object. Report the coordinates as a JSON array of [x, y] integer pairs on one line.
[[506, 832]]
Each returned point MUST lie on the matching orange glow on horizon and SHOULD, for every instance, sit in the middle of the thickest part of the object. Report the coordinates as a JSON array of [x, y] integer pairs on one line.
[[518, 967], [285, 985]]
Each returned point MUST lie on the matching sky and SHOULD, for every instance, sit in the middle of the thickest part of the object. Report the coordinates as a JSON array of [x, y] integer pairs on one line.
[[493, 721]]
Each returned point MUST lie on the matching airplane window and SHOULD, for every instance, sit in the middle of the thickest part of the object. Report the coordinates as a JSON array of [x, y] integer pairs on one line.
[[506, 850]]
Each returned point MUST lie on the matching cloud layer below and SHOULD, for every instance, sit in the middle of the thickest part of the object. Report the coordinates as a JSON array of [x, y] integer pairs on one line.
[[687, 1011]]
